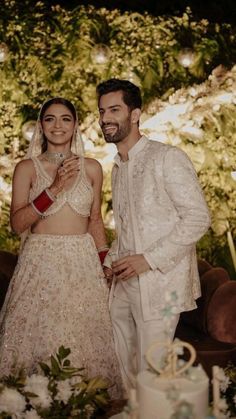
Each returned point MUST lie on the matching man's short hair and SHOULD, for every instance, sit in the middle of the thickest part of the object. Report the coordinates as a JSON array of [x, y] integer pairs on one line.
[[131, 93]]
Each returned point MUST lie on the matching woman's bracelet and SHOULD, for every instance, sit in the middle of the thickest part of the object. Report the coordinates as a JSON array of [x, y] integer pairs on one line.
[[102, 254], [50, 194], [42, 202]]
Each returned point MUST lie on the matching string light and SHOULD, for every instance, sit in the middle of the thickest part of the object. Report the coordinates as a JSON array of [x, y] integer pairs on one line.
[[186, 57], [3, 52], [100, 54], [28, 129]]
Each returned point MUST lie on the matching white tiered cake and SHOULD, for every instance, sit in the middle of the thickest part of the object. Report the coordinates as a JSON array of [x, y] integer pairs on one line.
[[154, 395], [174, 388]]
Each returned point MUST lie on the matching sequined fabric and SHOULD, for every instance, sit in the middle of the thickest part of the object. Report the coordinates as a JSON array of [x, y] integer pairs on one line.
[[58, 296], [79, 197]]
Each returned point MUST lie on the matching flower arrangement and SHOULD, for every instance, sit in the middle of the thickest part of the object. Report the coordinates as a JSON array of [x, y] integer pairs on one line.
[[230, 391], [225, 380], [62, 391]]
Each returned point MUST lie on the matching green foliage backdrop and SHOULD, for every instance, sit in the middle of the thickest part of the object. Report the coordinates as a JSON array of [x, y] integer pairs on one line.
[[53, 51]]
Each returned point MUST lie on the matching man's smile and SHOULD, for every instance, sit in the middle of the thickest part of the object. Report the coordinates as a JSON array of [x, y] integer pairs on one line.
[[108, 129]]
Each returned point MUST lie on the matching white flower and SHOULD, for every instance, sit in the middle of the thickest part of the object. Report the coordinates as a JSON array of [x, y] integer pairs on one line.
[[38, 384], [220, 374], [178, 350], [75, 380], [223, 380], [224, 384], [32, 414], [11, 401], [64, 391]]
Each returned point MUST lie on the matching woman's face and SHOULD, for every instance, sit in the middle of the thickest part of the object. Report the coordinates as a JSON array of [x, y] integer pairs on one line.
[[58, 124]]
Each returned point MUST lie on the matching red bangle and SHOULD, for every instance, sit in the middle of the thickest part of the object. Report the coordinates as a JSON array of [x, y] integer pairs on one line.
[[42, 202], [102, 255]]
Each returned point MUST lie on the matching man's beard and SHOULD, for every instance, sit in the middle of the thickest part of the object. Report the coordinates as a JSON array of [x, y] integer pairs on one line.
[[121, 132]]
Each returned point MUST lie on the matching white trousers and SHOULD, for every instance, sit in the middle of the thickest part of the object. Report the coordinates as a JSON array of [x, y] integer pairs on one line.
[[133, 336]]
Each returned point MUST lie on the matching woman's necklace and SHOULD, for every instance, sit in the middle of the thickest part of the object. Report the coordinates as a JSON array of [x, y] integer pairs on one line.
[[56, 157]]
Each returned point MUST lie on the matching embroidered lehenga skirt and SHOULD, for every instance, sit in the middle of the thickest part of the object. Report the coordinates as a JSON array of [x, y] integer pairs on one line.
[[58, 296]]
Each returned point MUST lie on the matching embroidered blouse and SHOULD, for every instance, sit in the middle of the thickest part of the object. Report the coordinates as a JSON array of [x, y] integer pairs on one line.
[[79, 197]]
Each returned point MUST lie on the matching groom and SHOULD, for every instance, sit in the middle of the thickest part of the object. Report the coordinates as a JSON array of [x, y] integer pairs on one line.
[[160, 213]]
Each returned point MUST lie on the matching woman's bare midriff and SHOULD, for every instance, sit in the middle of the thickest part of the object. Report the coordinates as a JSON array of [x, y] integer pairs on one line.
[[65, 221]]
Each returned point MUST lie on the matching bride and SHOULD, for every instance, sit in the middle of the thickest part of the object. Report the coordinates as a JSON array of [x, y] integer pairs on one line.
[[58, 295]]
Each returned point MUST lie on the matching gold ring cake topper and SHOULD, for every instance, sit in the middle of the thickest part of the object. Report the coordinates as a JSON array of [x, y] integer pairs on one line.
[[171, 369]]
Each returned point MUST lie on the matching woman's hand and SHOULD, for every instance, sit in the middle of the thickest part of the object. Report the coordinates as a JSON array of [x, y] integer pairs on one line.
[[108, 275], [66, 170]]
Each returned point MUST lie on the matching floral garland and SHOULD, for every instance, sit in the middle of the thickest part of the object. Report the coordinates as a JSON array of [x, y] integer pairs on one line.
[[63, 391]]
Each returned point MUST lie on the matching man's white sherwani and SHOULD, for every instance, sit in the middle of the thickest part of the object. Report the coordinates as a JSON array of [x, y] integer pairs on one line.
[[167, 216]]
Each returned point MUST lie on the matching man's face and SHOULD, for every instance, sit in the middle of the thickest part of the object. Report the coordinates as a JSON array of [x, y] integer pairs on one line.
[[115, 117]]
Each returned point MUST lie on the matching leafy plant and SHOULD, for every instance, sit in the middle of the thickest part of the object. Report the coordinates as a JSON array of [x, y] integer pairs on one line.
[[63, 391]]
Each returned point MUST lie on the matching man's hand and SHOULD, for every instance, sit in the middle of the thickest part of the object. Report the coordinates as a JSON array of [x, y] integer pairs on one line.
[[108, 275], [129, 266]]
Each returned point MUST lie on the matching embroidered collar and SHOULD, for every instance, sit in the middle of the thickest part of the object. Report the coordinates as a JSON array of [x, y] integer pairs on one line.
[[133, 151]]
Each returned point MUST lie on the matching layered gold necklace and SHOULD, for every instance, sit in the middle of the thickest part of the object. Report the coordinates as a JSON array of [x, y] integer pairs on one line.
[[56, 157]]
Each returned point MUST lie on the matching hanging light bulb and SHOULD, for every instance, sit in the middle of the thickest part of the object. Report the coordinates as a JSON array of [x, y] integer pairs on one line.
[[3, 52], [186, 57], [233, 175], [100, 54], [28, 130]]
